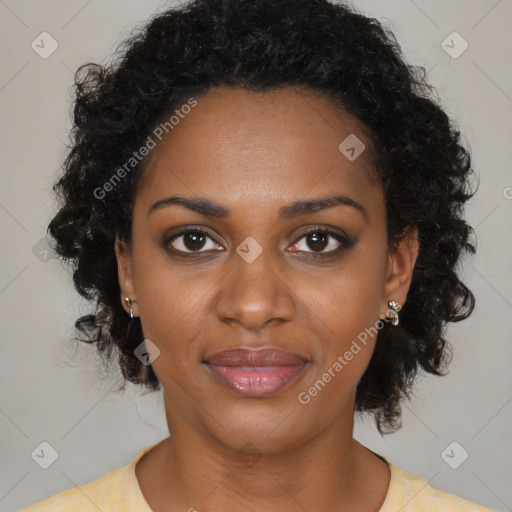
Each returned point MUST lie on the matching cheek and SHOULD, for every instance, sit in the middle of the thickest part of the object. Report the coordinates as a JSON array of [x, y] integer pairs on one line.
[[168, 299], [342, 357], [348, 304], [172, 318], [351, 294]]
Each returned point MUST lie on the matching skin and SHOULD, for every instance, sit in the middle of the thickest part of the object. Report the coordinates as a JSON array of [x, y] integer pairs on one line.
[[254, 153]]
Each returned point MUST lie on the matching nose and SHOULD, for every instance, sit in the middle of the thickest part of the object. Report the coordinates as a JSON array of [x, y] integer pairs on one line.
[[255, 293]]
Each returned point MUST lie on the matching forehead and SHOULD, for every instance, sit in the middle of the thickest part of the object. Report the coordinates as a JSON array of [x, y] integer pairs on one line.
[[236, 144]]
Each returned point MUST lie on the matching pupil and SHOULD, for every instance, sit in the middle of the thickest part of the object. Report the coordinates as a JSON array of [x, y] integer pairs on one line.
[[315, 237], [196, 238]]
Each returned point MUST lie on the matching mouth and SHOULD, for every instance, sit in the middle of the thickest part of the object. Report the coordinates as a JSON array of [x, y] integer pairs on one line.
[[255, 373]]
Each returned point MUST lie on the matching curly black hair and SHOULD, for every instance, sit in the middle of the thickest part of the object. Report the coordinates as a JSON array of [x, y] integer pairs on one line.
[[261, 45]]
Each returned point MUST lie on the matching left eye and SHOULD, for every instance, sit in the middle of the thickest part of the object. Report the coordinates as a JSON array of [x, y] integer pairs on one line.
[[319, 239]]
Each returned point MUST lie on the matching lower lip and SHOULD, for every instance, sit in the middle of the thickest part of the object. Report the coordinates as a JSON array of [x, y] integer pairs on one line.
[[256, 382]]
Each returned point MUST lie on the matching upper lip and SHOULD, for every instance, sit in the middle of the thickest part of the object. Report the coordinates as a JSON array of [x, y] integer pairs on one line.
[[255, 357]]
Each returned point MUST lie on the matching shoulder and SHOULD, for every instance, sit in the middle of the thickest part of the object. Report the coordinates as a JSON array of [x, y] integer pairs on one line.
[[100, 494], [117, 491], [412, 493]]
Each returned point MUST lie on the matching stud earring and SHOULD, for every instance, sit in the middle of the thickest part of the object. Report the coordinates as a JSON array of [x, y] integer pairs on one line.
[[129, 303], [394, 307]]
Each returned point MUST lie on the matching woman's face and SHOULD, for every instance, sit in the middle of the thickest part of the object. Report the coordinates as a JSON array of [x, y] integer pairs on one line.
[[266, 275]]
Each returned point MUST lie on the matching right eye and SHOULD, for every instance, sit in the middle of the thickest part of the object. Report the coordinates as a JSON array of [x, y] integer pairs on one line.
[[190, 240]]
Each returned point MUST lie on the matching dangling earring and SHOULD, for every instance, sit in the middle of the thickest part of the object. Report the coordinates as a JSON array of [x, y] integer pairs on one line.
[[394, 307], [129, 303]]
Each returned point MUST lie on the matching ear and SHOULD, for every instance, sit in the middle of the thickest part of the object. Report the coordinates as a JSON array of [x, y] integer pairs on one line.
[[400, 267], [125, 275]]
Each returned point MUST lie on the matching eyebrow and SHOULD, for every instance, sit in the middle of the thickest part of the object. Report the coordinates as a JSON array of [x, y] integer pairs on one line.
[[210, 208]]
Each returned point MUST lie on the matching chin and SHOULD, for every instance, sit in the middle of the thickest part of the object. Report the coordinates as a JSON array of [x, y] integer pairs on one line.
[[268, 426]]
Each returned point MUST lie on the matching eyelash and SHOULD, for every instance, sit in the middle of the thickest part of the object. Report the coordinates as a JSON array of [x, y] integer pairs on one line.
[[345, 243]]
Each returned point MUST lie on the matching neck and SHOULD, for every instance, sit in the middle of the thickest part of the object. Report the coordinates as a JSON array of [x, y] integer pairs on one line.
[[330, 471]]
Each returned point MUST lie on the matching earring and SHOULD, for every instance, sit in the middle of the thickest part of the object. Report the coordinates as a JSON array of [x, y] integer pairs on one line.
[[129, 303], [394, 307]]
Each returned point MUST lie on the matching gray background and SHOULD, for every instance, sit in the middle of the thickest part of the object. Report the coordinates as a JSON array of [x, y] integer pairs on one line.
[[52, 393]]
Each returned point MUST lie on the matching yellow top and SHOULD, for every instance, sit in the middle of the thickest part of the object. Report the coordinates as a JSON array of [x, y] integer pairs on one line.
[[119, 491]]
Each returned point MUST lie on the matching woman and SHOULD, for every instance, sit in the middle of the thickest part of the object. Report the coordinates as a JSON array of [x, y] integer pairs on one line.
[[265, 205]]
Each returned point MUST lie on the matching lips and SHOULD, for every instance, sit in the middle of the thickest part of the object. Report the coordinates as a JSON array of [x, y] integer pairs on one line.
[[255, 372]]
